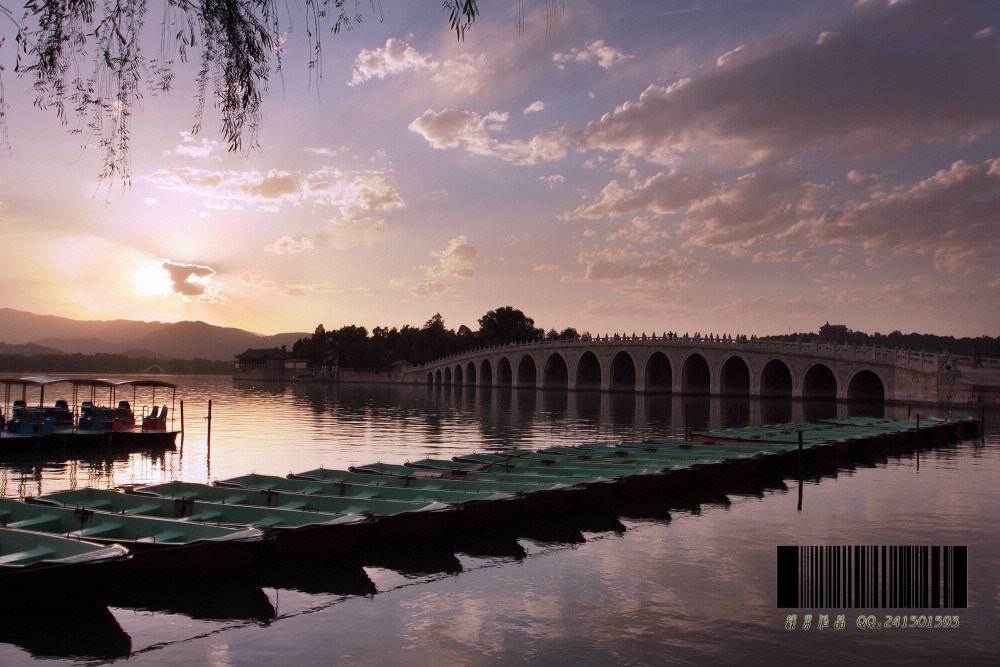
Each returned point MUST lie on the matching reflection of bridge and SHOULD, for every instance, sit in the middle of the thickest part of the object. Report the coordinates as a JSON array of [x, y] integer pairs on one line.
[[755, 367]]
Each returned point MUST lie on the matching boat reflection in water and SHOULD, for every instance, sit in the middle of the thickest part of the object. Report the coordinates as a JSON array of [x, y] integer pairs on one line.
[[62, 625]]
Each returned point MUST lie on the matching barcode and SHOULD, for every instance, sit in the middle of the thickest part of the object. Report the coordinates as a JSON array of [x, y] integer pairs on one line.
[[844, 577]]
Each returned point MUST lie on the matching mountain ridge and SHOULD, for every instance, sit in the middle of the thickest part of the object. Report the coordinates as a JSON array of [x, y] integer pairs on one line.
[[188, 339]]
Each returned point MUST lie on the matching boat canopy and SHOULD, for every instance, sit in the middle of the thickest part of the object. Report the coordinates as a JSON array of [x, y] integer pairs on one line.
[[112, 385]]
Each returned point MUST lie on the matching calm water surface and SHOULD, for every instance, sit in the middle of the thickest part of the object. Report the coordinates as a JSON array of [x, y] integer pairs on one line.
[[693, 585]]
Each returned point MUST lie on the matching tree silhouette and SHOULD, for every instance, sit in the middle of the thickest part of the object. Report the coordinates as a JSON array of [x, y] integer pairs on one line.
[[236, 42]]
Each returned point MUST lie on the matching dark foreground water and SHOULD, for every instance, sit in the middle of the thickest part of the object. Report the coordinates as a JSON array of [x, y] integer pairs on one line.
[[680, 584]]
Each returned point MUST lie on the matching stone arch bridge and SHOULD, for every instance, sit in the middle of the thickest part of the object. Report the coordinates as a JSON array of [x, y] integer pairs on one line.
[[758, 368]]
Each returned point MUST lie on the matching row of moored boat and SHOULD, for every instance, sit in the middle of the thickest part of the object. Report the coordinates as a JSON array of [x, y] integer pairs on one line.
[[232, 526]]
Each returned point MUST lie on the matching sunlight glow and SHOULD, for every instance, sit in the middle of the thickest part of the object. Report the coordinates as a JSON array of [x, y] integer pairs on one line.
[[151, 279]]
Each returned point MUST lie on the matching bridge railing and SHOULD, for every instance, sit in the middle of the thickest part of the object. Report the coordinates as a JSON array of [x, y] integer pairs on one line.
[[923, 361]]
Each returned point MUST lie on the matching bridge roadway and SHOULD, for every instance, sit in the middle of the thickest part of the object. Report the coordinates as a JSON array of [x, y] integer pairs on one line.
[[716, 366]]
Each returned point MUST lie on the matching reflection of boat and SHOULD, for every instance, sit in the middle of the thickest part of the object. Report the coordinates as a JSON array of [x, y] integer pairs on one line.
[[62, 625], [201, 598], [296, 532], [158, 546], [82, 420]]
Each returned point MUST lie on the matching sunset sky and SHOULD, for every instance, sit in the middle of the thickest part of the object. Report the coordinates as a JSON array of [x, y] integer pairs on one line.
[[730, 167]]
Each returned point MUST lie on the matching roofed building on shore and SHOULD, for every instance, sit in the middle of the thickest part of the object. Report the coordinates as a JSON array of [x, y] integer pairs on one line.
[[833, 333], [260, 364]]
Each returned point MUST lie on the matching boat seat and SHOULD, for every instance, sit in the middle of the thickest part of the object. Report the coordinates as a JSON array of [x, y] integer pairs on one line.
[[27, 556], [165, 536], [155, 413], [34, 523], [98, 531]]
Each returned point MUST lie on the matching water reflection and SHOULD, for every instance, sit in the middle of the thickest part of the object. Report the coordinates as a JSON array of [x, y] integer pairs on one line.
[[62, 625], [275, 428]]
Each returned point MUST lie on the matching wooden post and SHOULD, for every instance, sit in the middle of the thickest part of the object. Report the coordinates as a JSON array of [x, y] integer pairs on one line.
[[209, 435], [800, 455], [918, 432], [182, 425]]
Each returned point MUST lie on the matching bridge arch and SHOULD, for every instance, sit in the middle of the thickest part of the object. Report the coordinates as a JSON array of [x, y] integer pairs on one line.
[[459, 379], [447, 376], [527, 372], [734, 377], [470, 374], [555, 374], [659, 374], [486, 373], [505, 375], [623, 372], [437, 377], [696, 378], [775, 379], [430, 378], [588, 371], [865, 385], [819, 382]]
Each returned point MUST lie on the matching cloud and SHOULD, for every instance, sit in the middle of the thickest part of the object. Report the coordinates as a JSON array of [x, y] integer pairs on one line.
[[354, 193], [286, 245], [189, 147], [595, 51], [192, 280], [393, 58], [662, 193], [950, 216], [452, 128], [428, 289], [467, 74], [534, 107], [456, 261], [276, 185], [553, 179], [870, 88], [364, 231]]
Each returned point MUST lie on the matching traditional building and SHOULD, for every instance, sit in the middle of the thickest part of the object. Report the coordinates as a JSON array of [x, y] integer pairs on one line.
[[833, 333], [260, 364]]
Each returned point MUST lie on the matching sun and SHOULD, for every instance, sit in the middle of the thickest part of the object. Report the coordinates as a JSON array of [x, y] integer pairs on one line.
[[151, 279]]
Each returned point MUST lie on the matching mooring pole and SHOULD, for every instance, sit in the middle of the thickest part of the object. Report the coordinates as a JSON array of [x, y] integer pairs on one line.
[[182, 426], [918, 431], [209, 418], [800, 471], [982, 423], [687, 433]]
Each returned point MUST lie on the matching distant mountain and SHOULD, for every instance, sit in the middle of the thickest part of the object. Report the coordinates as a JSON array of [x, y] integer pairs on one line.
[[179, 340], [27, 349]]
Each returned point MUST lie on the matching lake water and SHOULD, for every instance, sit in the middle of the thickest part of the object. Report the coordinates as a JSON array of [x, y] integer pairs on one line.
[[689, 583]]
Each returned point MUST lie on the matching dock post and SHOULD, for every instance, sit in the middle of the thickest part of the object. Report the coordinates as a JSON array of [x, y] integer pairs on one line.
[[918, 431], [209, 418], [799, 507]]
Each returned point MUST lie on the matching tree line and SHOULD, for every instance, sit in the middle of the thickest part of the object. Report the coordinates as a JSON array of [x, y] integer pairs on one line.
[[356, 348], [352, 347], [108, 363]]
